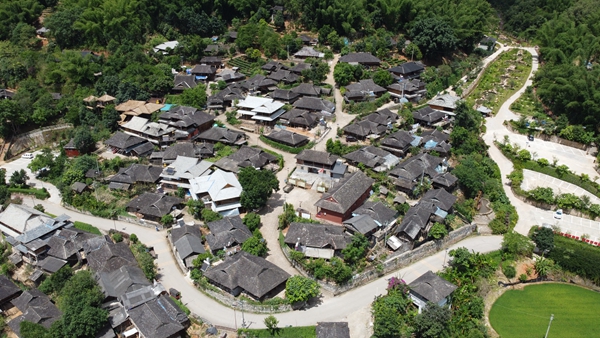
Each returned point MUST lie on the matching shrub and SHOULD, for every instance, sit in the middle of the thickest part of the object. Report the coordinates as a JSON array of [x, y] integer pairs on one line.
[[117, 237], [509, 271], [522, 278]]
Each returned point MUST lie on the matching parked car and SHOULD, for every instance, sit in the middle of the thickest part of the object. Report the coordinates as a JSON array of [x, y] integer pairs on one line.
[[28, 156], [558, 214], [530, 137], [288, 187], [174, 293], [350, 138]]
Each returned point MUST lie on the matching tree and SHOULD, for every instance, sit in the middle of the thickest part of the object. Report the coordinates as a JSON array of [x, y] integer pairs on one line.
[[434, 36], [544, 239], [317, 73], [32, 330], [301, 289], [279, 21], [110, 118], [256, 245], [39, 208], [83, 140], [194, 97], [195, 208], [258, 186], [340, 272], [413, 51], [271, 323], [167, 220], [252, 221], [438, 231], [343, 73], [56, 281], [61, 25], [517, 244], [18, 179], [133, 238], [210, 216], [383, 78], [433, 322], [356, 250], [509, 271]]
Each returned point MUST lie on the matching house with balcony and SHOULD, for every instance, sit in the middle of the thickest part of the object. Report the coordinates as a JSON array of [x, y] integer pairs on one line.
[[179, 173], [220, 191], [260, 109], [413, 90], [320, 162], [187, 121]]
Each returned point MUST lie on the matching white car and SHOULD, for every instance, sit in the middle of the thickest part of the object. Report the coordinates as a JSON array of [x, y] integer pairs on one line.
[[28, 156], [558, 214]]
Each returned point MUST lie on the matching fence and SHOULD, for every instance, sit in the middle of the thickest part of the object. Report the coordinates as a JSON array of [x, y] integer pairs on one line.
[[232, 302], [396, 261]]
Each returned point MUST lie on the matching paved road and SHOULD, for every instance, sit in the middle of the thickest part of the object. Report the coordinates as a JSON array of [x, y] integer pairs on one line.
[[533, 179]]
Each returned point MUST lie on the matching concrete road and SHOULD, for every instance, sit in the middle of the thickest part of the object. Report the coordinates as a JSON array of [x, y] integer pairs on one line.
[[533, 179]]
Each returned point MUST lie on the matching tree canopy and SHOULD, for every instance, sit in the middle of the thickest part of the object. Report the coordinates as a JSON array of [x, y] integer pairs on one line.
[[258, 186]]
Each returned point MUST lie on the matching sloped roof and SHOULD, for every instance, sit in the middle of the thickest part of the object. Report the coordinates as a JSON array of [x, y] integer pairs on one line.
[[78, 187], [370, 156], [429, 115], [407, 68], [110, 257], [284, 94], [444, 100], [366, 85], [363, 224], [21, 218], [318, 236], [365, 128], [220, 185], [8, 289], [153, 204], [398, 140], [314, 103], [446, 179], [255, 275], [378, 212], [245, 157], [416, 219], [124, 141], [119, 282], [159, 318], [184, 82], [440, 198], [309, 52], [227, 232], [137, 173], [307, 89], [415, 166], [333, 330], [345, 193], [359, 58], [284, 75], [431, 287], [36, 308], [187, 240], [223, 135], [316, 156], [203, 69], [183, 117], [287, 137]]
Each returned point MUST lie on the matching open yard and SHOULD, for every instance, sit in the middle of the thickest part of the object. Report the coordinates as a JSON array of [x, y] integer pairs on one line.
[[526, 313]]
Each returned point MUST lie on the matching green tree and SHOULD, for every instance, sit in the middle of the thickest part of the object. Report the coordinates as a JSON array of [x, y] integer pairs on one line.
[[517, 244], [258, 186], [544, 238], [194, 97], [256, 245], [356, 250], [83, 140], [301, 289], [195, 208], [433, 322], [32, 330], [56, 281], [343, 73], [340, 272], [210, 216], [383, 78], [413, 51], [252, 221], [167, 220], [438, 231], [61, 24], [271, 323], [509, 271], [18, 178], [434, 36], [133, 238]]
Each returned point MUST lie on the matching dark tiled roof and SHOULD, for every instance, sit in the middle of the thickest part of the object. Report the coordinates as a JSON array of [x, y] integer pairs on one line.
[[153, 204], [187, 240], [333, 330], [398, 140], [360, 58], [307, 89], [407, 68], [179, 149], [432, 287], [287, 137], [314, 104], [110, 257], [440, 198], [284, 95], [126, 279], [416, 219], [378, 211], [365, 128], [78, 187], [123, 141], [245, 157], [366, 86], [227, 232], [345, 193], [258, 81], [8, 289], [138, 173], [415, 166], [211, 59], [183, 117], [273, 66], [429, 115], [300, 67], [285, 76], [370, 156], [301, 117], [184, 82], [318, 236], [159, 318], [435, 135], [223, 135], [36, 308], [315, 156], [363, 224], [203, 69], [445, 179]]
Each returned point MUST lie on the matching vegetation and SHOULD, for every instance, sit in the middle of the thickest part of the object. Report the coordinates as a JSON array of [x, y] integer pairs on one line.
[[526, 313], [256, 245], [301, 289], [258, 186], [294, 331], [356, 250], [338, 148], [87, 227], [144, 259], [252, 221], [280, 146], [576, 257]]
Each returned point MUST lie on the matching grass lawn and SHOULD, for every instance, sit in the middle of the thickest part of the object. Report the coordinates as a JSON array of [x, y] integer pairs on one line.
[[526, 313], [285, 332], [86, 227]]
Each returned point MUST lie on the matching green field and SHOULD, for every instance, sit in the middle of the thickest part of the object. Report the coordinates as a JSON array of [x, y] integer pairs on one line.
[[526, 313], [86, 227]]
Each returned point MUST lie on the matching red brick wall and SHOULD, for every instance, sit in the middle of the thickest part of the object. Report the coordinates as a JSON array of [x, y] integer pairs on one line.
[[72, 152]]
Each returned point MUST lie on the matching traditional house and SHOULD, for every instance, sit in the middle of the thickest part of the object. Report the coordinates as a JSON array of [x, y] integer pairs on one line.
[[187, 149], [445, 181], [400, 142], [317, 240], [284, 95], [365, 59], [17, 219], [284, 76], [252, 275], [428, 116], [434, 206], [248, 157], [407, 173], [327, 108], [300, 118], [137, 108], [8, 290], [155, 132], [430, 288], [107, 257], [372, 157], [187, 241], [444, 102], [220, 191], [79, 187], [179, 173], [413, 90], [70, 149], [159, 318], [307, 89], [223, 135], [105, 100], [225, 98], [36, 308], [259, 83], [348, 194], [6, 94], [127, 144], [203, 72], [152, 206], [67, 244], [318, 162], [287, 138], [183, 82], [299, 67], [382, 215], [407, 70], [226, 233], [229, 75], [259, 109], [137, 173], [363, 90], [434, 140], [187, 121], [307, 40], [487, 43], [332, 330], [308, 52], [117, 283], [215, 61], [273, 66], [361, 224]]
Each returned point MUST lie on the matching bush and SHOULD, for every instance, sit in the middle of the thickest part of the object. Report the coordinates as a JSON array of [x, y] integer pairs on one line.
[[576, 257], [87, 227], [117, 237], [509, 271], [133, 238], [522, 278], [40, 194]]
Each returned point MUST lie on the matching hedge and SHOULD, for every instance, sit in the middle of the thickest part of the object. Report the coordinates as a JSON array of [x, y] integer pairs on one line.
[[87, 227], [280, 146], [576, 257], [40, 194]]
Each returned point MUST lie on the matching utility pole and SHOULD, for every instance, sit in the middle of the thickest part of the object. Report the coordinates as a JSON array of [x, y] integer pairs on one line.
[[550, 323], [243, 320]]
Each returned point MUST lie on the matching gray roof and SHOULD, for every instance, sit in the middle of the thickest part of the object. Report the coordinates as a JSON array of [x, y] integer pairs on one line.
[[287, 137], [48, 227], [415, 166], [137, 173], [258, 81], [398, 140], [284, 95], [445, 100], [118, 186], [378, 212], [184, 117], [179, 149], [273, 66], [203, 69], [153, 204], [431, 287], [366, 85], [307, 89], [51, 264], [126, 279], [309, 52], [408, 68], [301, 117], [223, 135], [440, 198], [435, 135], [211, 59], [183, 82], [159, 318], [429, 115], [245, 157], [363, 224], [298, 68], [314, 104], [8, 289], [227, 232], [187, 240], [78, 187], [143, 149], [67, 242], [365, 128], [345, 193], [445, 179], [124, 141], [316, 156], [255, 275], [320, 236], [370, 156], [117, 316], [333, 330], [285, 76], [110, 257], [362, 58], [36, 308], [21, 218], [416, 219]]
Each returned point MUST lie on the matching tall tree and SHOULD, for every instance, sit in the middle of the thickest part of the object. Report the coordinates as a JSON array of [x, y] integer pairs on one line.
[[434, 36], [258, 186]]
